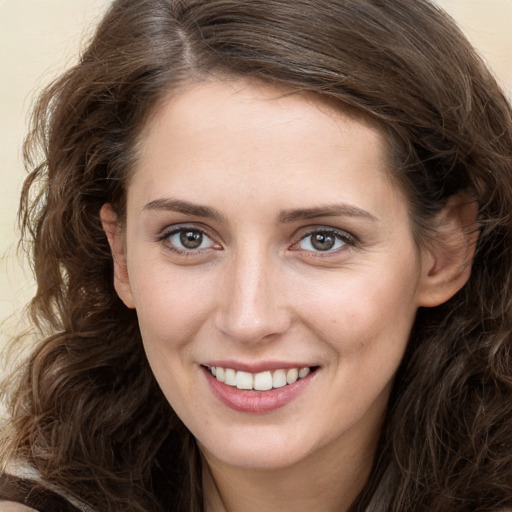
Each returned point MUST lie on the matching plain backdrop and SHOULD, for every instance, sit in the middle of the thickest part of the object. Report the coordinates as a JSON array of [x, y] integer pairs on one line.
[[40, 38]]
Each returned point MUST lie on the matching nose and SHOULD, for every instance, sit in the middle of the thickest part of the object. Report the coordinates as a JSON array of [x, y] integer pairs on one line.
[[253, 308]]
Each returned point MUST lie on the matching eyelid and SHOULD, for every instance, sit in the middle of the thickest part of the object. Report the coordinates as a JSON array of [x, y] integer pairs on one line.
[[168, 231], [349, 239]]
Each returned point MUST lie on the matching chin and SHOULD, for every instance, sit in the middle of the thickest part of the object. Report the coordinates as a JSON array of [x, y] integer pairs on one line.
[[259, 451]]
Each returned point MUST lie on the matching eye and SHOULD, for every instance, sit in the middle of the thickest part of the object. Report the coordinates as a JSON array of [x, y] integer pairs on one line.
[[187, 239], [324, 240]]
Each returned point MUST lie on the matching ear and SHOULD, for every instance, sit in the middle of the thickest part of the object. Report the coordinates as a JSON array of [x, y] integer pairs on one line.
[[447, 260], [114, 232]]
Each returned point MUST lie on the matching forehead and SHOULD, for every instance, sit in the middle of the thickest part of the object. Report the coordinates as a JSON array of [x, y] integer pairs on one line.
[[221, 136], [254, 106]]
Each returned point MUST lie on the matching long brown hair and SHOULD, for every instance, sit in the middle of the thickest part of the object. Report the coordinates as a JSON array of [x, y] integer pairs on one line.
[[87, 412]]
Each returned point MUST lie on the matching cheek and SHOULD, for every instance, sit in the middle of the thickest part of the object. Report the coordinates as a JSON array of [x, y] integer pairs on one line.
[[171, 309], [171, 305], [361, 309], [364, 322]]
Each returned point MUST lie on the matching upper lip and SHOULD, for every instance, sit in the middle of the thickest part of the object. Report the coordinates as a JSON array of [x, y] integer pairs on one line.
[[257, 367]]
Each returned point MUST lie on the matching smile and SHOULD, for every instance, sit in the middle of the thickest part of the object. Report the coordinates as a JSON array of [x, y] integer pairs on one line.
[[259, 392], [262, 381]]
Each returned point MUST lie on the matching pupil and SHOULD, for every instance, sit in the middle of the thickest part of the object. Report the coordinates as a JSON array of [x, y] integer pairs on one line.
[[323, 241], [191, 239]]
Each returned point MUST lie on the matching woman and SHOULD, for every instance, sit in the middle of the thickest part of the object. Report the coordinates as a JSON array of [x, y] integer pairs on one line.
[[271, 244]]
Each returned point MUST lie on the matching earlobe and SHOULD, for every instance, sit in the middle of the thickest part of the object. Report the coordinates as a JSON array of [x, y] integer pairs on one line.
[[446, 263], [114, 232]]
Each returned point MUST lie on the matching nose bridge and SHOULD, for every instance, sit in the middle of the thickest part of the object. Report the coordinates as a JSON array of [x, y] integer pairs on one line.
[[252, 308]]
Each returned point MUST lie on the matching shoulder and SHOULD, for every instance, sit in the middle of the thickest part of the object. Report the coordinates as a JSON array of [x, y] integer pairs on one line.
[[24, 495], [11, 506]]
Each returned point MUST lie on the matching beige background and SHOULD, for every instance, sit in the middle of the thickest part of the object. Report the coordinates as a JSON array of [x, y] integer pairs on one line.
[[39, 38]]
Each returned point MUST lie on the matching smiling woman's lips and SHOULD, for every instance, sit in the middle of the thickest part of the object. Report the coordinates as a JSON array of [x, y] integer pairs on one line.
[[256, 401]]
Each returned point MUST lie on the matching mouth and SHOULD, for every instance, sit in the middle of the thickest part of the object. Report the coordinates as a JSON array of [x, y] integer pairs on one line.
[[260, 392], [261, 381]]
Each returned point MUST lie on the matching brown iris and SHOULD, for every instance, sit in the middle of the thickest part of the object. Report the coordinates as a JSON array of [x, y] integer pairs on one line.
[[191, 239], [323, 241]]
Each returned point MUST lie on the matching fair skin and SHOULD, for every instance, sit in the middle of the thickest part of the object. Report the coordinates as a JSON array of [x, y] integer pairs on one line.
[[264, 235]]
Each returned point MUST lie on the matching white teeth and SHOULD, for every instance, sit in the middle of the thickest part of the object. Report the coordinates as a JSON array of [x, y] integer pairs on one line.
[[220, 374], [292, 375], [279, 379], [230, 377], [244, 380], [303, 372], [262, 381]]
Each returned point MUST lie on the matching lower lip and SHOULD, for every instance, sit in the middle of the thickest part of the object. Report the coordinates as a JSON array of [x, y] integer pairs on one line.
[[256, 402]]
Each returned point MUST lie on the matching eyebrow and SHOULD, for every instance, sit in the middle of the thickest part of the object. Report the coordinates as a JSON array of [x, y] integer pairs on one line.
[[330, 210], [286, 216], [175, 205]]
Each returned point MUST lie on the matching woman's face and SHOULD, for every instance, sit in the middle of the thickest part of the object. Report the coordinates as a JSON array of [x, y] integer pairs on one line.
[[265, 243]]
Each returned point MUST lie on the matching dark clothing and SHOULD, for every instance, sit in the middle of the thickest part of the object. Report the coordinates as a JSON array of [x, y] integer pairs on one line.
[[33, 494]]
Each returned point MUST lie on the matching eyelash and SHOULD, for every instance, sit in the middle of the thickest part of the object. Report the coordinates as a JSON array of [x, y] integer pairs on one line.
[[348, 241], [168, 233]]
